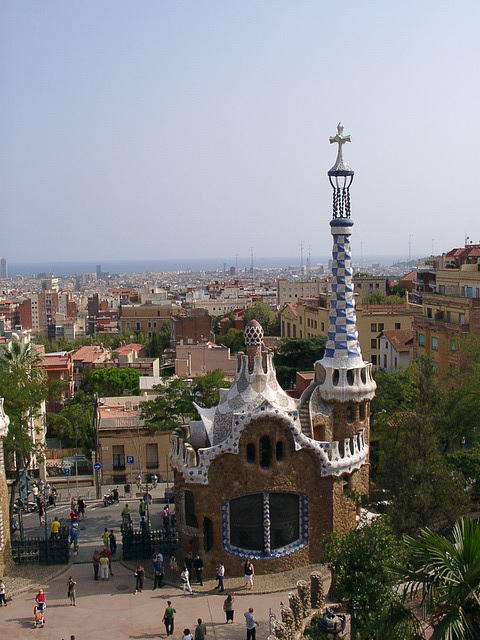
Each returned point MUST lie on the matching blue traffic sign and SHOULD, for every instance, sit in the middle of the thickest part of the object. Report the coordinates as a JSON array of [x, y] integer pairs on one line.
[[130, 459], [66, 471], [97, 466]]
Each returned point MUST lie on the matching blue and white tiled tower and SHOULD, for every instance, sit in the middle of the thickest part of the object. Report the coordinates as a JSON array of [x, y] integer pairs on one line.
[[342, 373]]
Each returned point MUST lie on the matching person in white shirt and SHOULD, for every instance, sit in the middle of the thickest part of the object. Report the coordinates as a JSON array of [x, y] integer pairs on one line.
[[252, 624]]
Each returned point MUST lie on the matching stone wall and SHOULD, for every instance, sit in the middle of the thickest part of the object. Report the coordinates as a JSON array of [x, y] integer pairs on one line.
[[232, 475]]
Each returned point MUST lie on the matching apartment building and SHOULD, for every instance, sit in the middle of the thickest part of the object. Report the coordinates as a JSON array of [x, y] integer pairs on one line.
[[449, 313], [310, 317], [126, 448], [147, 319]]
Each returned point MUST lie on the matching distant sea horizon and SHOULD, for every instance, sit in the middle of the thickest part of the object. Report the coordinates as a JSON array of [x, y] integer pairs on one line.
[[72, 268]]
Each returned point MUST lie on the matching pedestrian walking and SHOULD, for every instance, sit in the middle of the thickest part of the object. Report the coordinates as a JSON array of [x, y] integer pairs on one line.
[[139, 576], [106, 538], [106, 553], [173, 563], [81, 506], [166, 519], [228, 608], [41, 513], [143, 526], [251, 623], [104, 566], [169, 618], [198, 566], [200, 630], [112, 539], [142, 507], [71, 592], [96, 563], [3, 600], [158, 574], [188, 562], [220, 575], [249, 573], [185, 578], [187, 635], [55, 527]]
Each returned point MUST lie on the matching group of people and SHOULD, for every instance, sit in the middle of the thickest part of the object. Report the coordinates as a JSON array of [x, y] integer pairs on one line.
[[200, 631], [102, 564]]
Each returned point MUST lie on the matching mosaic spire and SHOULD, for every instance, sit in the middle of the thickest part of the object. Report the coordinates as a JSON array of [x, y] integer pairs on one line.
[[343, 348]]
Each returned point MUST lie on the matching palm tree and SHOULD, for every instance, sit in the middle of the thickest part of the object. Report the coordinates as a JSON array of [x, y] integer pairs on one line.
[[22, 358], [445, 573]]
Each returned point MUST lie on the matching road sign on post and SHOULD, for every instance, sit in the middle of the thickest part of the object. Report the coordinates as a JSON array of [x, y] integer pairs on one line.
[[66, 471], [130, 459], [97, 466]]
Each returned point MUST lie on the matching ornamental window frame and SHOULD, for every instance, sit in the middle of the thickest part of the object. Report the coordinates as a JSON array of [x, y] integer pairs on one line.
[[267, 553]]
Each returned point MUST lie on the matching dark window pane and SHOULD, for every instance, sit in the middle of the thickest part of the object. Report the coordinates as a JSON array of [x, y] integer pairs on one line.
[[190, 517], [284, 518], [279, 451], [246, 522], [250, 452], [207, 534], [265, 451]]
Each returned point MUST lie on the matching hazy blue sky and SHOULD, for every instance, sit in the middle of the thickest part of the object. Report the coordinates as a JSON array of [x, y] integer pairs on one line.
[[198, 128]]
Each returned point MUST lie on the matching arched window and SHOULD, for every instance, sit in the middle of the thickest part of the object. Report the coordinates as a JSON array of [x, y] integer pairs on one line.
[[349, 414], [279, 451], [207, 534], [265, 451], [190, 517], [266, 522], [362, 411], [250, 452]]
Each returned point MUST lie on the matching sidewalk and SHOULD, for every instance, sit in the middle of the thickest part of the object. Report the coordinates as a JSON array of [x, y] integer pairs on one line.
[[110, 609]]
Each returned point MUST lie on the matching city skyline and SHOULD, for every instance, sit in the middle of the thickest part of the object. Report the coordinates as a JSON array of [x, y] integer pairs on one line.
[[175, 130]]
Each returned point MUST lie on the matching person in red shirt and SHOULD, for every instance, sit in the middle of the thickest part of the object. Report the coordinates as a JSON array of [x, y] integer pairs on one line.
[[40, 598], [73, 516]]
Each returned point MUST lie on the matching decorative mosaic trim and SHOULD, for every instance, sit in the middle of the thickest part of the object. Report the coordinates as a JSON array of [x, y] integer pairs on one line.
[[332, 462], [268, 554]]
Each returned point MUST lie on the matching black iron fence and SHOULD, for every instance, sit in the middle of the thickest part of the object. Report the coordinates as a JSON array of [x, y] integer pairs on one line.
[[41, 551], [137, 545]]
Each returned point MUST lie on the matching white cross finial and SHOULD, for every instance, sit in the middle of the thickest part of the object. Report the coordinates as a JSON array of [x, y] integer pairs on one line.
[[340, 139]]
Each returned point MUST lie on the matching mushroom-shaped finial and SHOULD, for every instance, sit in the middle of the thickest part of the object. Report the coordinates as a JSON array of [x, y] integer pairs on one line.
[[253, 341]]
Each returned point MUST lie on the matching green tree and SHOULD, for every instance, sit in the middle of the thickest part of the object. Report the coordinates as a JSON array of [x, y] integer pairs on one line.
[[206, 389], [297, 354], [444, 574], [174, 406], [24, 388], [113, 382], [424, 487], [171, 408], [233, 338], [75, 422], [262, 313], [358, 561]]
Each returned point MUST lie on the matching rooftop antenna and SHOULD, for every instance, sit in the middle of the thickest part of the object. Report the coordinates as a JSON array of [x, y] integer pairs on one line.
[[251, 264], [309, 262], [409, 250]]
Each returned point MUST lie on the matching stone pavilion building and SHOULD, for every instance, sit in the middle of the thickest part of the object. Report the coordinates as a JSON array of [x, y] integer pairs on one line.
[[264, 476]]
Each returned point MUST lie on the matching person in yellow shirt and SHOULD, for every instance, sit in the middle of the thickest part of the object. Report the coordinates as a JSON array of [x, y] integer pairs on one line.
[[55, 527], [105, 538]]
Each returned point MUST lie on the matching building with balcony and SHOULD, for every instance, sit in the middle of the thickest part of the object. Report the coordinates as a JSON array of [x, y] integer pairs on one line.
[[448, 314]]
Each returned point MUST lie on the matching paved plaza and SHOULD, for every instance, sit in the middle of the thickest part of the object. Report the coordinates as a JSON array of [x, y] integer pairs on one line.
[[112, 609]]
